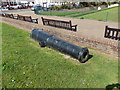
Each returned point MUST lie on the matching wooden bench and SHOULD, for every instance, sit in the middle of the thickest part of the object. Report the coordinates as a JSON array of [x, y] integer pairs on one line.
[[13, 16], [3, 14], [20, 17], [60, 24], [9, 15], [112, 33], [27, 18]]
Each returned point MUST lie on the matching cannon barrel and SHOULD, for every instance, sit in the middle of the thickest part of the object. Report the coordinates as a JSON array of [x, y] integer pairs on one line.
[[51, 41]]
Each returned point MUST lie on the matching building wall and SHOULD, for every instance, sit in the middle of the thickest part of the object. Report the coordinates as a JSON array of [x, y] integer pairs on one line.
[[55, 2], [61, 1], [51, 2], [16, 0]]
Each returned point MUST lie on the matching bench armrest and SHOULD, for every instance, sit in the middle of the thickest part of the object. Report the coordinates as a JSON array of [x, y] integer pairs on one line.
[[74, 25], [35, 20], [15, 17]]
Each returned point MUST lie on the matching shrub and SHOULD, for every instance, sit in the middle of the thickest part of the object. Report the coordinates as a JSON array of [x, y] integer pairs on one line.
[[55, 8], [65, 6]]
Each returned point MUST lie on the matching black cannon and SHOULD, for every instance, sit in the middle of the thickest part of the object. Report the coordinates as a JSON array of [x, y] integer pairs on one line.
[[51, 41]]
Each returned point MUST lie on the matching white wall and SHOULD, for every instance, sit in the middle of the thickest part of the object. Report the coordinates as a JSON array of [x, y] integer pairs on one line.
[[113, 5], [43, 1]]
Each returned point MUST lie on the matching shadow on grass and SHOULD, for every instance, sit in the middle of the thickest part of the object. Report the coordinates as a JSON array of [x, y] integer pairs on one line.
[[113, 86], [90, 56]]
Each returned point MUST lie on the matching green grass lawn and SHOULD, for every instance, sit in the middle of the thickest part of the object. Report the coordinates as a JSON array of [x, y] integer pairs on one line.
[[105, 15], [0, 55], [26, 65], [59, 13], [110, 14]]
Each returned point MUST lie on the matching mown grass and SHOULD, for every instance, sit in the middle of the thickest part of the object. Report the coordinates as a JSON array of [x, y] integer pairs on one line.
[[111, 14], [107, 14], [59, 13], [26, 65], [0, 56]]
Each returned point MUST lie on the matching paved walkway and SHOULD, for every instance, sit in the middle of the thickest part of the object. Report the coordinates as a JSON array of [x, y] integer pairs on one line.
[[91, 29]]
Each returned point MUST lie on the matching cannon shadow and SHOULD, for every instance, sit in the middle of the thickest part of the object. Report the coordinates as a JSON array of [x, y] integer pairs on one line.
[[113, 86], [89, 57]]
